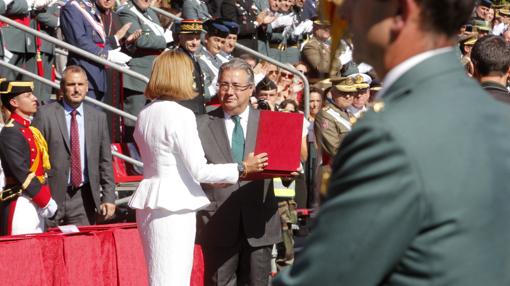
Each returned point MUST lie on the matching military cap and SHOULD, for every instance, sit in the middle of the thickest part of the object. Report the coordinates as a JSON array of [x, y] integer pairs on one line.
[[215, 28], [320, 22], [481, 25], [189, 26], [364, 82], [504, 12], [10, 89], [486, 3], [470, 41], [351, 84], [232, 26], [375, 85]]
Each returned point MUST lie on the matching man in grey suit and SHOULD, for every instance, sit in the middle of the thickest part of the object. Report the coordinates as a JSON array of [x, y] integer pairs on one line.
[[239, 227], [81, 177], [419, 190]]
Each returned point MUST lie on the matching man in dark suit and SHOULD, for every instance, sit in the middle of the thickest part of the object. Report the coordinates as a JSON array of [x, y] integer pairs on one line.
[[419, 191], [81, 178], [238, 229], [491, 62]]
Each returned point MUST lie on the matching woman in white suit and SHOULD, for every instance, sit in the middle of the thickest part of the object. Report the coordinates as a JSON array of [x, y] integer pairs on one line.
[[174, 166]]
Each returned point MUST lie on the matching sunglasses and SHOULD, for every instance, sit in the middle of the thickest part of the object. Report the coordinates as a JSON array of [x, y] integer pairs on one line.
[[287, 75]]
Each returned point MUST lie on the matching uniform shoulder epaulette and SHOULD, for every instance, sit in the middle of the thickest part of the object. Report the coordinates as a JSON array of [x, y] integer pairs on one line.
[[9, 123]]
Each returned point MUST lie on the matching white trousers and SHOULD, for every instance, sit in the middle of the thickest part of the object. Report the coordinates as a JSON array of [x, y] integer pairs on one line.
[[168, 240], [26, 218]]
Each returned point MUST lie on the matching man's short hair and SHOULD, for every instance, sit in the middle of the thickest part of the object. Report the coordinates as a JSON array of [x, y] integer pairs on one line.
[[238, 64], [491, 54], [71, 69], [445, 16]]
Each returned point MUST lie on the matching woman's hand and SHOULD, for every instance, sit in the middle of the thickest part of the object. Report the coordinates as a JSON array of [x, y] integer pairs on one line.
[[255, 163]]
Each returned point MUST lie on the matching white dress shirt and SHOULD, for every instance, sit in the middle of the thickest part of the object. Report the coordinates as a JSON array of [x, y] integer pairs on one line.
[[81, 130], [230, 124], [174, 160]]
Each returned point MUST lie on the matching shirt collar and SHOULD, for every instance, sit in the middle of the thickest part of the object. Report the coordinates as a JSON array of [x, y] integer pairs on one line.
[[244, 115], [406, 65], [68, 109]]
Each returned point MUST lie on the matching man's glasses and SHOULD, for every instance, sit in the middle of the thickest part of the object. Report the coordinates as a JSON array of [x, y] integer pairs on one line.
[[224, 86]]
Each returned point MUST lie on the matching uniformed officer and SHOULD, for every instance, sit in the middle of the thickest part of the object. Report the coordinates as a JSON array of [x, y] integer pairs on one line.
[[226, 52], [188, 40], [20, 48], [26, 198], [333, 122], [208, 60], [316, 51], [360, 100]]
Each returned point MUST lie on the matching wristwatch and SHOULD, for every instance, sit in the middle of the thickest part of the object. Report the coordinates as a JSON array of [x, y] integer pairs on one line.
[[241, 169]]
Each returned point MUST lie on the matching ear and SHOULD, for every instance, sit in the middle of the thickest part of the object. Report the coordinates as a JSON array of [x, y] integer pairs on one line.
[[14, 102]]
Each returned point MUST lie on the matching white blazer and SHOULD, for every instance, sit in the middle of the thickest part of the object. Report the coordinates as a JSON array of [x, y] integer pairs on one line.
[[174, 161]]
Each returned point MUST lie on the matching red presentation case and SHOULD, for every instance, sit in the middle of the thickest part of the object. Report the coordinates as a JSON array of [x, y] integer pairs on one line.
[[279, 134]]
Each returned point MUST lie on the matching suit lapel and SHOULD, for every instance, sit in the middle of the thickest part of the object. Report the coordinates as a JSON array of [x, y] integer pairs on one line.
[[62, 125], [219, 133]]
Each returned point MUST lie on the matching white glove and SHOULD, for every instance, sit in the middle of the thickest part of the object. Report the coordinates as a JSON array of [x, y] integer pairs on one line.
[[38, 4], [303, 28], [285, 20], [168, 36], [118, 57], [49, 210]]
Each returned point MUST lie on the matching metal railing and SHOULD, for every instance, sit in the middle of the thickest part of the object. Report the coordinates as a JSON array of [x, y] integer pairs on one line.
[[88, 99], [74, 49], [291, 69]]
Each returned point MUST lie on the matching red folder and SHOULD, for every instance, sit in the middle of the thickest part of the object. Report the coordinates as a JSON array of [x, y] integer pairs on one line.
[[279, 134]]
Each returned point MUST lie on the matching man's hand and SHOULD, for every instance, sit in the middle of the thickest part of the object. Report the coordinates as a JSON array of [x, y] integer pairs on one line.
[[121, 33], [133, 37], [107, 210]]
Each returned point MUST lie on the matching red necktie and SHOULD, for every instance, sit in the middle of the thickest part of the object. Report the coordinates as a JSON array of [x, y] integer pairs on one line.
[[75, 152]]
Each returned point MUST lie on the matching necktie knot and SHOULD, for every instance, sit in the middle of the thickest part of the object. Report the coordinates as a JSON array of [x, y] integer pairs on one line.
[[74, 113], [236, 119]]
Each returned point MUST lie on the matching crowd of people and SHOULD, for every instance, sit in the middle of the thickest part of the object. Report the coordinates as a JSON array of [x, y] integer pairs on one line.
[[387, 148]]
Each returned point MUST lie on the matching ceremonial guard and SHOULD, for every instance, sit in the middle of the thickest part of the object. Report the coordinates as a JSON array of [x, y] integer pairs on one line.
[[188, 40], [209, 60], [26, 198]]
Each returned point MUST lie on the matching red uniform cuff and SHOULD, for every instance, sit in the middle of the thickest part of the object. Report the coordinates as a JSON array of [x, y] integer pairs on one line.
[[43, 196]]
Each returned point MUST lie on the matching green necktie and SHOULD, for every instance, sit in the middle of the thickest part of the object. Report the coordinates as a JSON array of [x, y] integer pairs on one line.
[[237, 140]]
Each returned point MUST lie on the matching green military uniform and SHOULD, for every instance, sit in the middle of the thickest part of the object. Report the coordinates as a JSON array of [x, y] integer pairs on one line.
[[419, 193], [48, 23], [22, 45], [143, 52]]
